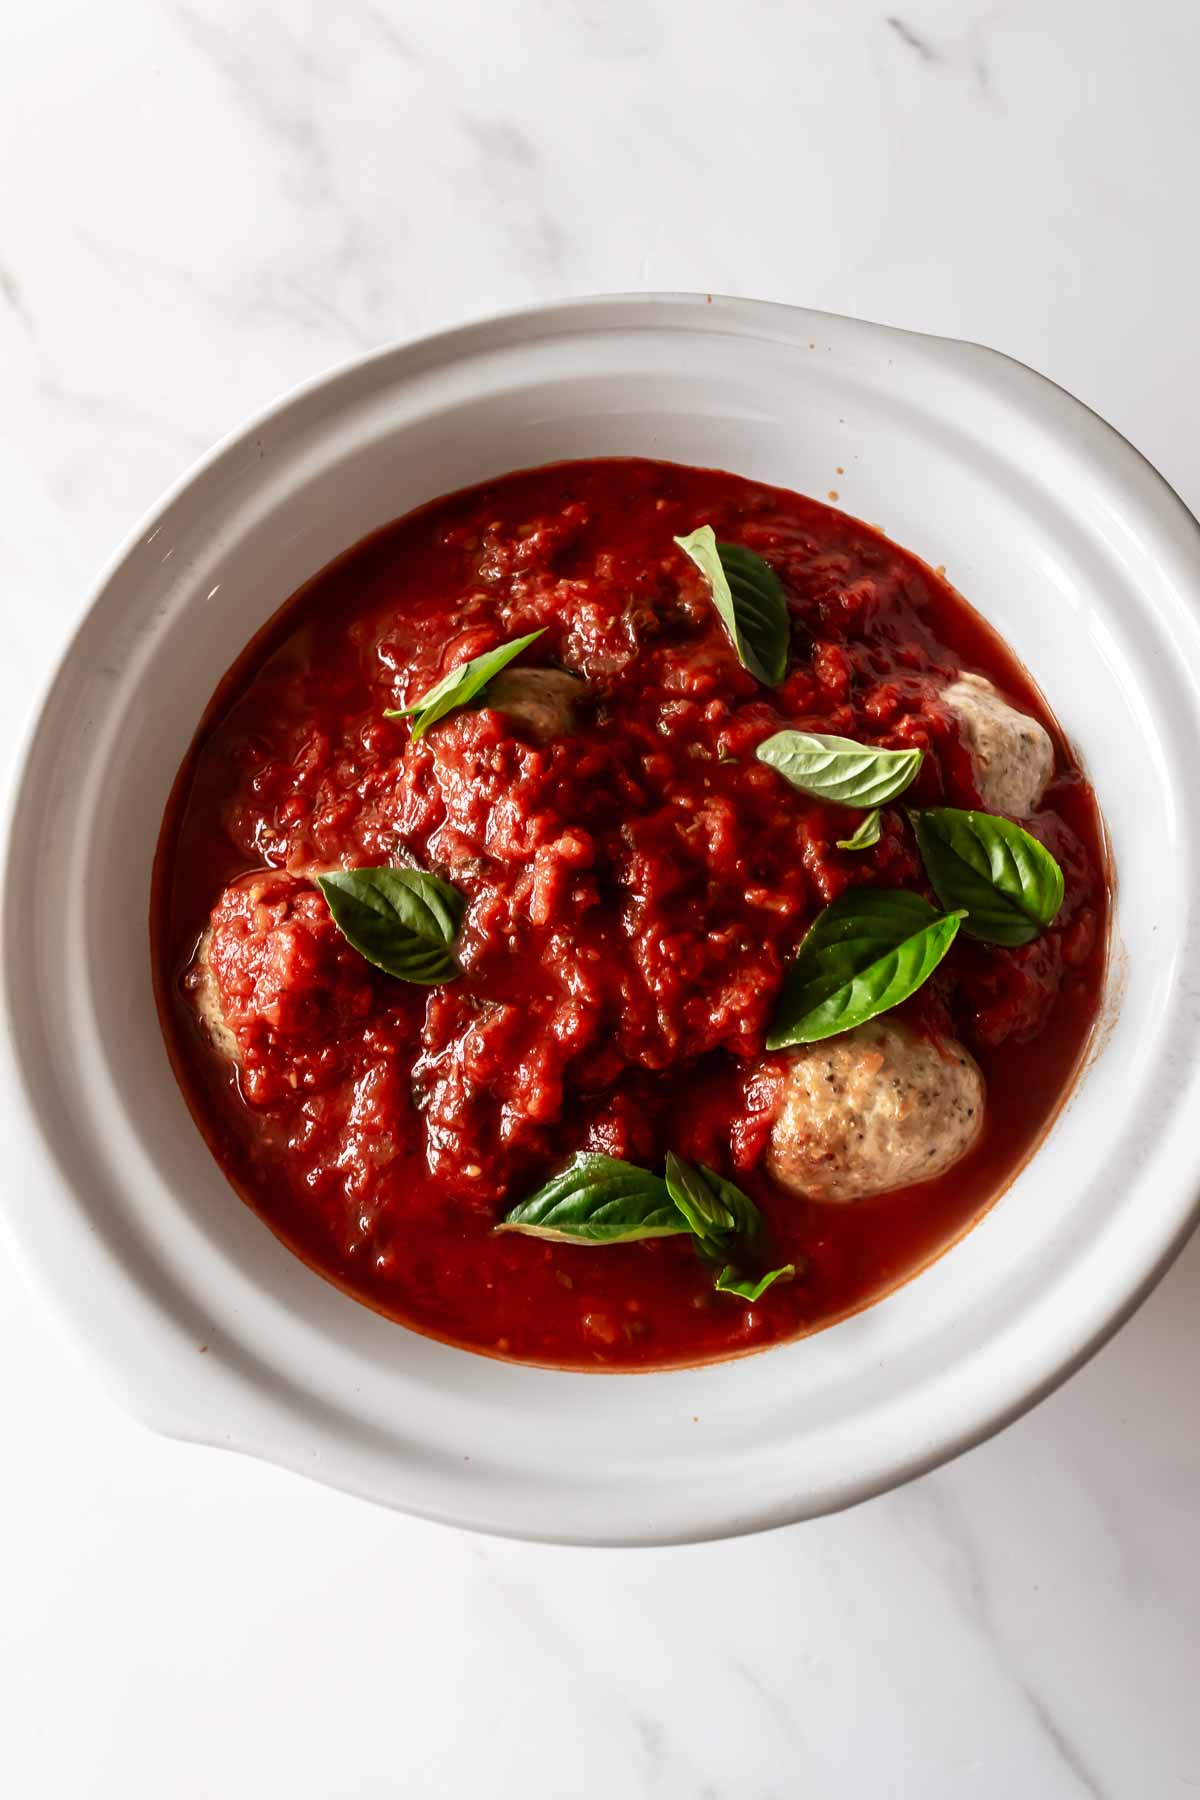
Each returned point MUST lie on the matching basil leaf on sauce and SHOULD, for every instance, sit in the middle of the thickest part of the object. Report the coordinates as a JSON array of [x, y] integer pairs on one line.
[[863, 955], [837, 768], [723, 1221], [1009, 884], [748, 1287], [460, 685], [598, 1200], [749, 596], [402, 920], [714, 1208], [866, 834]]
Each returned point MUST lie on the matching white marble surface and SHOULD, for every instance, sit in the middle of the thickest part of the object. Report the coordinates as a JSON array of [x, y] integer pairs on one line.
[[206, 200]]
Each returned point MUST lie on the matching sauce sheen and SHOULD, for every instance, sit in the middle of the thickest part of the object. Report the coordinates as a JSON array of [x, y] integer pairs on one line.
[[635, 883]]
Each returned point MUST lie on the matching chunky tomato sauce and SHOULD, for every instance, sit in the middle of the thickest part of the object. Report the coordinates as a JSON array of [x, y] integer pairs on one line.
[[634, 892]]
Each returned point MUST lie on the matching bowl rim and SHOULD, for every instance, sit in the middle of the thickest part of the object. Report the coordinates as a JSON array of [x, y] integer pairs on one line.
[[94, 1329]]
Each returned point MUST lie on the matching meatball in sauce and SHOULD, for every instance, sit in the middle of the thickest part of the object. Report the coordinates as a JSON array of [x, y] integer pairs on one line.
[[633, 885], [876, 1108]]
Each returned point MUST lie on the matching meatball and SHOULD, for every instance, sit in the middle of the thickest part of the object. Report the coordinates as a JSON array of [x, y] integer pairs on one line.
[[874, 1109], [542, 701], [205, 996], [275, 986], [1011, 754]]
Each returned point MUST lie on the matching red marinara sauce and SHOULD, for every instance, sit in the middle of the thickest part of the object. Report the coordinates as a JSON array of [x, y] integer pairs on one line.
[[634, 892]]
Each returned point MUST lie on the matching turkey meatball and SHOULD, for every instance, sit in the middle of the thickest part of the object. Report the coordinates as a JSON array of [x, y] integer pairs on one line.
[[876, 1108], [275, 986], [205, 995], [541, 701], [1012, 756]]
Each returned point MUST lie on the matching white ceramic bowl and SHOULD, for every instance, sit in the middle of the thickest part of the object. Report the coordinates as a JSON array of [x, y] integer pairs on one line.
[[1056, 529]]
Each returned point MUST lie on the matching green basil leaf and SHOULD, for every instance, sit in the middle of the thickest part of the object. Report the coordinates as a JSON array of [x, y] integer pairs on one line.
[[722, 1217], [714, 1208], [707, 1215], [598, 1200], [749, 596], [863, 955], [866, 835], [748, 1287], [837, 768], [402, 920], [747, 1220], [460, 685], [1009, 884]]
